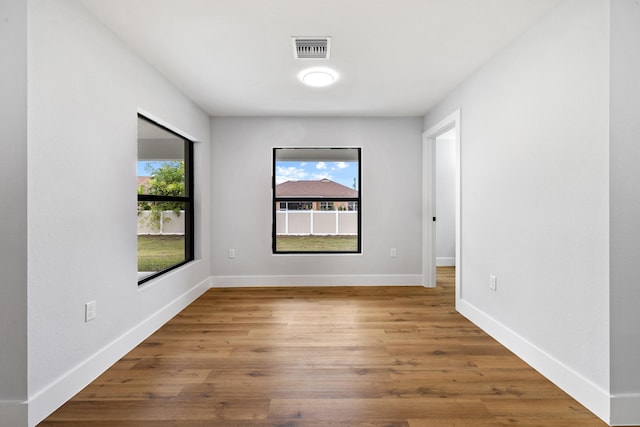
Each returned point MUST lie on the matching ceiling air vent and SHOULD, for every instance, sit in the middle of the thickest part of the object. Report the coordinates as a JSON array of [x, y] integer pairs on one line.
[[311, 47]]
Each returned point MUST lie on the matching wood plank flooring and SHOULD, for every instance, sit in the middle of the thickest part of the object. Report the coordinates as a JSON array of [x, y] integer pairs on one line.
[[311, 357]]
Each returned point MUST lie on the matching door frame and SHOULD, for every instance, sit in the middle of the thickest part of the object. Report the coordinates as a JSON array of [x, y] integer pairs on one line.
[[452, 121]]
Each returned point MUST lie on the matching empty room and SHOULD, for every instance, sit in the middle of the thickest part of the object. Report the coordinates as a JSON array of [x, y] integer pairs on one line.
[[345, 213]]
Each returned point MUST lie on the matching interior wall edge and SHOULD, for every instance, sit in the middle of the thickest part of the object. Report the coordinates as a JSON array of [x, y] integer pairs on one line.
[[13, 413], [625, 410]]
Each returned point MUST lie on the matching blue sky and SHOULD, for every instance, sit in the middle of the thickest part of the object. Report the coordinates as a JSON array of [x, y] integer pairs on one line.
[[142, 167], [341, 172]]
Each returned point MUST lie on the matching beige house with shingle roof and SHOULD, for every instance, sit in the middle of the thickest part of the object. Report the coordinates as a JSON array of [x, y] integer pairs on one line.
[[314, 189], [143, 181]]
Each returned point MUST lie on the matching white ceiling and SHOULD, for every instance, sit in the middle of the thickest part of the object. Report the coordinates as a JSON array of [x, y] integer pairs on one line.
[[393, 57]]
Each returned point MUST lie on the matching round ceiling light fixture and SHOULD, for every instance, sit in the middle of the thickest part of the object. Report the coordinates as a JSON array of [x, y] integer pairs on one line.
[[318, 77]]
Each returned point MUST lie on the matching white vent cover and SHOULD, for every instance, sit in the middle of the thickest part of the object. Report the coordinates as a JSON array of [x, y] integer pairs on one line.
[[311, 47]]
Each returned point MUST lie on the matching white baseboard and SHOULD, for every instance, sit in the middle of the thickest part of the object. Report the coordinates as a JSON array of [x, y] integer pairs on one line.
[[43, 403], [317, 280], [14, 413], [625, 410], [445, 262], [584, 391]]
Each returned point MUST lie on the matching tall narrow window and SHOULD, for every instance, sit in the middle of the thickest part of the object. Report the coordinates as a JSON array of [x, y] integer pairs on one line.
[[316, 200], [165, 200]]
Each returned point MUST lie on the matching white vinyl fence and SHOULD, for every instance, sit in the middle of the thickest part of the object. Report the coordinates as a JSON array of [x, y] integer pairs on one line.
[[309, 222], [170, 223], [300, 223]]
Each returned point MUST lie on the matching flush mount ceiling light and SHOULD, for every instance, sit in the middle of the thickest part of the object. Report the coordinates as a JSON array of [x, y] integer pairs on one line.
[[318, 77]]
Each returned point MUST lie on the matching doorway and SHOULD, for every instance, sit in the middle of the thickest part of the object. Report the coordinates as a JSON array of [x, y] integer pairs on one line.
[[441, 200]]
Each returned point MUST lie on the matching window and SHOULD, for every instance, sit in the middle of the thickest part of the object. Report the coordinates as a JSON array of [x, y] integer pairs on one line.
[[295, 206], [316, 196], [165, 200]]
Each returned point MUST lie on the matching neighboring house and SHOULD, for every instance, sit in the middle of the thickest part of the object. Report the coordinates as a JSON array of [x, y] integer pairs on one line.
[[143, 181], [322, 188]]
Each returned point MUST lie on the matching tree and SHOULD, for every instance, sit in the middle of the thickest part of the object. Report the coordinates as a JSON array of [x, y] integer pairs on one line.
[[166, 180]]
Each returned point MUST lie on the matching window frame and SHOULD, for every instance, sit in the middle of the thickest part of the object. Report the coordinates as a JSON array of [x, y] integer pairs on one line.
[[275, 201], [187, 199]]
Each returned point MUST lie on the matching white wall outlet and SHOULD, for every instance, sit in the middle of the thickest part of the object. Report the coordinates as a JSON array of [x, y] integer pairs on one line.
[[232, 253], [89, 311], [493, 282], [394, 252]]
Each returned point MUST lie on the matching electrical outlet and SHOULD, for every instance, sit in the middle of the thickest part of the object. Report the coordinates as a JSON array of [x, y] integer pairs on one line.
[[493, 282], [394, 252], [89, 311], [232, 253]]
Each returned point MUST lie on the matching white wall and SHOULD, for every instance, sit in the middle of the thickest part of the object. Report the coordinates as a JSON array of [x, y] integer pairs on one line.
[[13, 210], [445, 201], [85, 89], [535, 193], [242, 200], [625, 210]]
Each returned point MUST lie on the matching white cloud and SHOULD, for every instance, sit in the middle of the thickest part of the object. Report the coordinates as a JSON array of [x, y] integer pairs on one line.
[[290, 173], [341, 165], [321, 165], [322, 175]]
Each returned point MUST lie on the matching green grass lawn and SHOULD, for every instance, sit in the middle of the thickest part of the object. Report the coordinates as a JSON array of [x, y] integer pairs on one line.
[[317, 243], [156, 253]]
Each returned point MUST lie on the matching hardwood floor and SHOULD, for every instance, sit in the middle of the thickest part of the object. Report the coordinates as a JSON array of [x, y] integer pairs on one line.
[[361, 356]]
